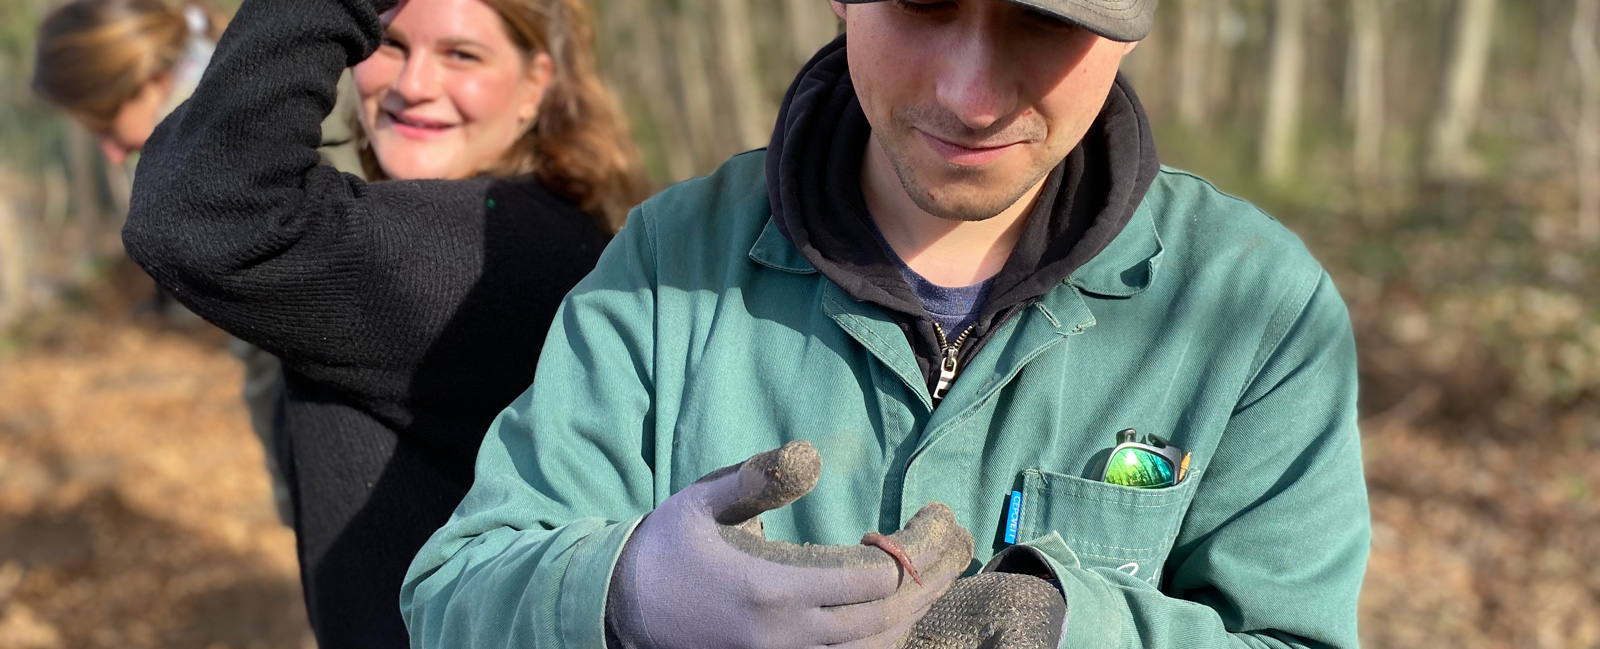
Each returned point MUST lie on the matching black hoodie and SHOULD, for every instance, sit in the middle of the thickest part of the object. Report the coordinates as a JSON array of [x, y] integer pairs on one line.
[[814, 181]]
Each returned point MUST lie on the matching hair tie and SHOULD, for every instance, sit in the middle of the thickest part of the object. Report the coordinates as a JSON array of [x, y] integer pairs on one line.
[[194, 58], [197, 20]]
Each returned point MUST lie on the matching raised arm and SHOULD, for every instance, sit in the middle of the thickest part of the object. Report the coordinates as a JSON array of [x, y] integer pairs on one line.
[[355, 285]]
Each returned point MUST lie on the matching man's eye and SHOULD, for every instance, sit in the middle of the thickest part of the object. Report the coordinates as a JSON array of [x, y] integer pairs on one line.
[[468, 57], [389, 42], [922, 8]]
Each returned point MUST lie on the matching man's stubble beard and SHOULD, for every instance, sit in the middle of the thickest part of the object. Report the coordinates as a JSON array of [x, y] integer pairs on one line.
[[964, 198], [962, 204]]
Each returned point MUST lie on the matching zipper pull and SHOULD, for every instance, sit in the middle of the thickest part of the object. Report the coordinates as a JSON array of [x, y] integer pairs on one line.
[[948, 365], [947, 373]]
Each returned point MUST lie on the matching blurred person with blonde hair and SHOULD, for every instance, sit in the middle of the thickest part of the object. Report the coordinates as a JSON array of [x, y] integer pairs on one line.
[[117, 68], [407, 312]]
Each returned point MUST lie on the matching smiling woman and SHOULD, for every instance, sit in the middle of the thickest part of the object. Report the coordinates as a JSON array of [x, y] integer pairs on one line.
[[407, 312], [447, 90], [460, 88]]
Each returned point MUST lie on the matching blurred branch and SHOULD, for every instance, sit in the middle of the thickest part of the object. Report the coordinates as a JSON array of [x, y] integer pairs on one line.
[[695, 91], [82, 175], [1228, 32], [1285, 78], [811, 25], [1364, 87], [1585, 23], [13, 263], [1194, 41], [746, 109], [648, 82], [1449, 155]]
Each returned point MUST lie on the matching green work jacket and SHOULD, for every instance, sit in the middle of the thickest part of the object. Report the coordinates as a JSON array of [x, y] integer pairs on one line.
[[703, 337]]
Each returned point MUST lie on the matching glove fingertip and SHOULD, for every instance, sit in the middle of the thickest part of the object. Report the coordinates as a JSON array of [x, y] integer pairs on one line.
[[772, 479], [935, 525]]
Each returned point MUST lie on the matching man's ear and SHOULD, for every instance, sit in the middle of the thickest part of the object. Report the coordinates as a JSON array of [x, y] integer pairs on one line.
[[838, 8], [1130, 48]]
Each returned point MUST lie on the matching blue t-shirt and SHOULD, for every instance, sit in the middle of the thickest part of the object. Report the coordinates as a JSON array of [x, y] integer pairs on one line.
[[954, 308]]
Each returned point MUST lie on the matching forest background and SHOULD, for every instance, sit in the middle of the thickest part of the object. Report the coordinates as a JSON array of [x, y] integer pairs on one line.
[[1441, 157]]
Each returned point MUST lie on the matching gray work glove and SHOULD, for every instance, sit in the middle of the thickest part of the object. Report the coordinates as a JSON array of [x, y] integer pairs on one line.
[[699, 574], [993, 610]]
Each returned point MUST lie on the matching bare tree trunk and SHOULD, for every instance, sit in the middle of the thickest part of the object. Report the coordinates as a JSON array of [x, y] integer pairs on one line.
[[1449, 155], [748, 112], [1587, 149], [55, 196], [1145, 67], [1228, 31], [1285, 77], [1364, 88], [121, 186], [120, 183], [1194, 39], [1555, 56], [695, 84], [81, 175], [13, 265], [86, 219], [811, 25], [646, 63]]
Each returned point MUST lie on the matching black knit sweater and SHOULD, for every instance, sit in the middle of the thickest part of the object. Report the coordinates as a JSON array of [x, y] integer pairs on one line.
[[407, 313]]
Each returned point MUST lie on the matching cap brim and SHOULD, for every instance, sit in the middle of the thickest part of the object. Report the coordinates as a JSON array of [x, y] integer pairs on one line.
[[1118, 20]]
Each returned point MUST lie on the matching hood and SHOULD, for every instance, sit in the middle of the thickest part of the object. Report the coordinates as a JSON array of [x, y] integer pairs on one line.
[[814, 184]]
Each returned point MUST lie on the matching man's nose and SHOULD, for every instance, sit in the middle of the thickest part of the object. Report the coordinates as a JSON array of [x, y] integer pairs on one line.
[[419, 80], [115, 152], [977, 82]]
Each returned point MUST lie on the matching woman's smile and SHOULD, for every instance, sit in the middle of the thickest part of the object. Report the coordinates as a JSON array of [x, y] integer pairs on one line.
[[415, 127]]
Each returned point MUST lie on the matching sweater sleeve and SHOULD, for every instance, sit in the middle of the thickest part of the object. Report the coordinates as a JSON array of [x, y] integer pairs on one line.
[[1272, 551], [365, 288]]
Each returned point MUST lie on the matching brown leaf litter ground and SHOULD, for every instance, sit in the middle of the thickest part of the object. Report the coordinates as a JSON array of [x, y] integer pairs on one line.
[[135, 512], [134, 503]]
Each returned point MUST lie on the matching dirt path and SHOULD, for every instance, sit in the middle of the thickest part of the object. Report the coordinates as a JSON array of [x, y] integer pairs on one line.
[[134, 506]]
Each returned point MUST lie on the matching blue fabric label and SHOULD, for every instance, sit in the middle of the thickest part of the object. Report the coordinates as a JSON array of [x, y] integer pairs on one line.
[[1013, 516]]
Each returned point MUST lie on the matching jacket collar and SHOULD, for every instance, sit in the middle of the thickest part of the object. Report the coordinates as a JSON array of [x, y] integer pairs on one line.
[[774, 251], [1128, 265]]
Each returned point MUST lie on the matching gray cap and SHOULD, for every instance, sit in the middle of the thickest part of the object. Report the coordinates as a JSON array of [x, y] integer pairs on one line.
[[1118, 20]]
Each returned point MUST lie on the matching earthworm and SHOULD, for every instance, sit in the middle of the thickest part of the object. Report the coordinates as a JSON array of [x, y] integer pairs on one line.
[[888, 545]]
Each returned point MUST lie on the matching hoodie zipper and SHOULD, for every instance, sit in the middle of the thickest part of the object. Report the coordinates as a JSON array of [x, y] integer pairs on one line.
[[949, 364]]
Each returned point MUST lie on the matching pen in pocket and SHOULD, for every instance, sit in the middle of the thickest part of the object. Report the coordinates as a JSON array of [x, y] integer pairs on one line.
[[1013, 516]]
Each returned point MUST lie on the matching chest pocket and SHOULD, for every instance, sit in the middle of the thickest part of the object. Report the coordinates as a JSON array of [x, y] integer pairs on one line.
[[1107, 526]]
